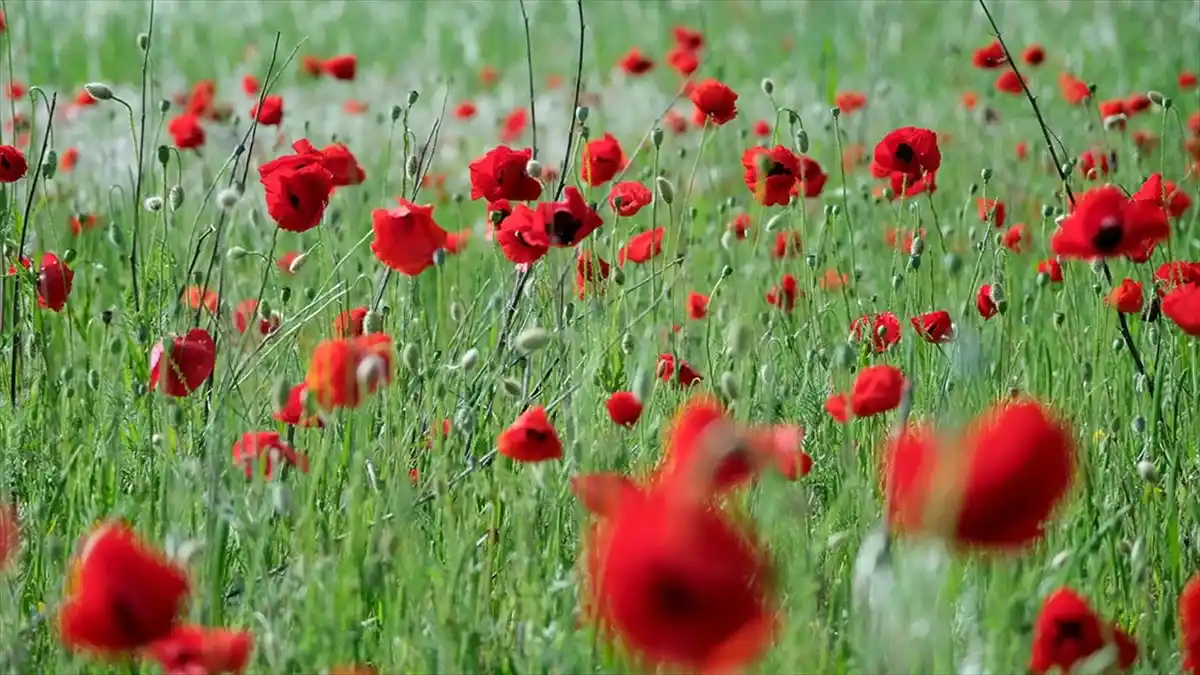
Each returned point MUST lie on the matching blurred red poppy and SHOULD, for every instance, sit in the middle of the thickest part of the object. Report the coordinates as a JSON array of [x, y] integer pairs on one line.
[[635, 63], [296, 198], [193, 650], [624, 408], [1106, 224], [54, 281], [1126, 297], [531, 438], [406, 237], [934, 327], [602, 160], [641, 247], [697, 305], [343, 67], [876, 390], [1067, 631], [183, 366], [501, 174], [271, 113], [265, 449]]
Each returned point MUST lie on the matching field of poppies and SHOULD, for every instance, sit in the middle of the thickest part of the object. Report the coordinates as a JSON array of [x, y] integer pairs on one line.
[[577, 336]]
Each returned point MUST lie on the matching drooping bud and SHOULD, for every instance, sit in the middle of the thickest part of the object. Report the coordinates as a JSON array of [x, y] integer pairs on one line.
[[236, 253], [1115, 121], [533, 168], [163, 106], [802, 141], [774, 222], [729, 386], [469, 359], [297, 263], [726, 271], [373, 322], [768, 86], [666, 191], [1156, 97], [397, 111], [99, 91], [164, 155], [143, 41], [175, 197], [228, 197], [627, 344]]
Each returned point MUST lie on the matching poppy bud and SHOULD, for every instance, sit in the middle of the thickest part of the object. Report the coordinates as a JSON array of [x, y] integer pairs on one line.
[[1117, 344], [106, 316], [802, 141], [157, 440], [410, 356], [164, 155], [727, 239], [888, 193], [1097, 289], [1115, 121], [1147, 472], [236, 253], [643, 386], [154, 203], [115, 346], [774, 222], [952, 262], [297, 263], [99, 91], [729, 386], [836, 112], [175, 197], [373, 322], [666, 191], [1047, 210], [581, 114], [164, 105], [413, 97], [986, 175], [897, 281], [510, 387], [627, 343], [737, 339], [1166, 103], [1066, 168], [568, 312], [618, 276], [917, 247], [228, 197], [412, 165], [726, 271], [656, 137], [533, 168], [997, 296], [469, 359], [396, 112], [843, 355], [532, 339], [1059, 560], [811, 260], [455, 311], [280, 394], [768, 86], [914, 262], [50, 166], [143, 41]]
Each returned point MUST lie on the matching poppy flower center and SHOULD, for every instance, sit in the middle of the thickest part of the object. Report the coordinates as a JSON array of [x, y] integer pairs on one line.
[[778, 169], [673, 599], [4, 162], [563, 228], [1069, 630], [905, 153], [536, 435], [1108, 236], [293, 200]]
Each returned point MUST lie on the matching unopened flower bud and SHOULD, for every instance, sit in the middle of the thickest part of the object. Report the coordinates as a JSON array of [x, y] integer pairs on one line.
[[370, 371], [143, 41], [228, 197], [726, 272], [1156, 97], [585, 132], [888, 193], [510, 386], [175, 197], [99, 91], [532, 339], [1115, 121], [768, 86], [656, 137], [439, 257], [412, 165], [618, 276], [729, 386], [727, 239], [986, 175], [163, 106], [581, 114], [413, 97], [627, 343], [836, 112], [666, 191], [236, 253], [1059, 319], [410, 356], [774, 222], [469, 359], [164, 155], [397, 111], [297, 263], [1167, 103], [917, 247], [373, 322], [1047, 210], [50, 166], [1147, 472], [802, 141], [154, 203], [533, 168]]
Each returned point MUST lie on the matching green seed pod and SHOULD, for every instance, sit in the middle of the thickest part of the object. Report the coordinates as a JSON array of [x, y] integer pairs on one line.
[[469, 359], [511, 387], [627, 343], [656, 137], [93, 379], [532, 339], [729, 386]]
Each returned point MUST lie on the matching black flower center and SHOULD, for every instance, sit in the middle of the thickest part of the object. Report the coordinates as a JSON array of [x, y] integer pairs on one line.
[[778, 169], [293, 199], [673, 599], [563, 228], [536, 435], [1108, 236], [1069, 630], [4, 162], [905, 153]]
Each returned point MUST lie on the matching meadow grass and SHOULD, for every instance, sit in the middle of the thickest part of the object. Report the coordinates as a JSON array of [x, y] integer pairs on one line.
[[473, 567]]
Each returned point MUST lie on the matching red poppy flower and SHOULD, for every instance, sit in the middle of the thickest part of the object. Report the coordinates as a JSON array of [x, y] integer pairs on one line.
[[1022, 150], [569, 221], [770, 174], [10, 532], [1171, 275], [983, 302], [641, 247], [784, 294], [628, 197], [1112, 108], [876, 390], [684, 61], [602, 160], [294, 411], [69, 159], [1126, 297], [187, 364], [904, 187], [186, 131], [198, 297], [271, 113], [342, 67], [246, 311], [531, 438], [810, 180], [934, 327], [265, 448], [1165, 194], [850, 101], [514, 125], [336, 158], [740, 225], [1107, 224], [989, 57], [624, 408], [15, 90], [311, 65], [884, 327], [1146, 141], [1137, 103], [200, 100], [787, 245], [342, 370], [590, 272], [250, 85], [674, 580], [296, 199], [465, 111], [1095, 163], [500, 174], [121, 594], [12, 164], [202, 651], [1193, 123], [992, 210], [910, 151], [1187, 79], [1182, 306], [684, 374], [1074, 90], [1008, 83], [761, 128], [687, 38], [1068, 631], [832, 280], [350, 322], [54, 281], [715, 100], [406, 237], [1052, 269], [635, 63], [1015, 238], [1189, 625], [83, 99], [1034, 55], [697, 306], [522, 236], [996, 490]]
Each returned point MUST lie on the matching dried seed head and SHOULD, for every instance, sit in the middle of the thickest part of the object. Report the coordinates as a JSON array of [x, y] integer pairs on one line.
[[153, 204], [768, 86], [469, 359], [532, 339], [228, 197], [99, 91], [533, 168], [666, 191]]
